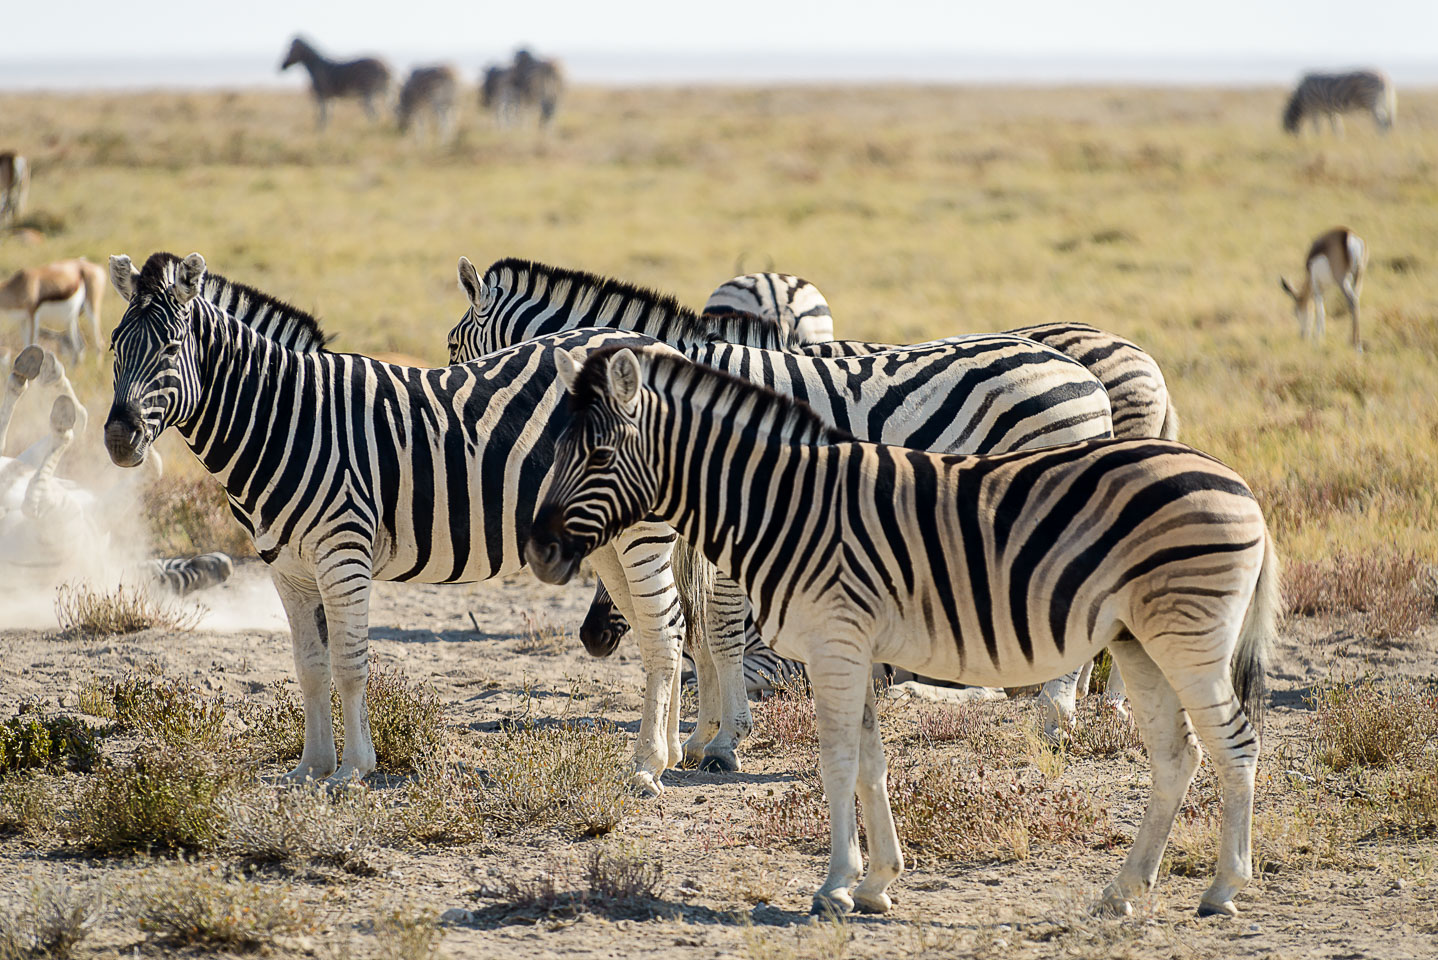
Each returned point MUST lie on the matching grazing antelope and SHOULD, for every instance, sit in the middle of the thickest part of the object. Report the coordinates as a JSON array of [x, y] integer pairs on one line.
[[429, 88], [14, 186], [1331, 94], [367, 78], [1337, 258], [54, 296]]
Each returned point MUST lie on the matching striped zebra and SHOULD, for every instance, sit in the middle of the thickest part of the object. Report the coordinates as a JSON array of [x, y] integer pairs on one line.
[[432, 90], [1332, 94], [346, 470], [792, 303], [528, 82], [183, 576], [982, 393], [367, 79], [1002, 569]]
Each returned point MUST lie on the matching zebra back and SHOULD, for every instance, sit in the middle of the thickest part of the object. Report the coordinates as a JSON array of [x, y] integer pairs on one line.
[[1334, 93], [792, 303]]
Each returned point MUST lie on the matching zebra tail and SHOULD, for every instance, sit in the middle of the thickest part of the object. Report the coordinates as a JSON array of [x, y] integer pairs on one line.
[[1257, 638], [694, 579], [1169, 430]]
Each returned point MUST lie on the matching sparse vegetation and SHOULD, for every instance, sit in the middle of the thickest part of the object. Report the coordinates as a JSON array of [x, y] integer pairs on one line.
[[169, 710], [275, 826], [200, 906], [1368, 723], [784, 721], [51, 921], [86, 610], [616, 882], [1395, 593], [188, 514], [543, 636], [408, 934], [29, 742], [567, 776]]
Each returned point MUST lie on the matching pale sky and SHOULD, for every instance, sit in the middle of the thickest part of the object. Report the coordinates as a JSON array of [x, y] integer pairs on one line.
[[1320, 31]]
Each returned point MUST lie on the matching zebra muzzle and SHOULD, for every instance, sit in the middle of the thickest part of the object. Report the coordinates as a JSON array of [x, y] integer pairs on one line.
[[550, 562], [124, 441]]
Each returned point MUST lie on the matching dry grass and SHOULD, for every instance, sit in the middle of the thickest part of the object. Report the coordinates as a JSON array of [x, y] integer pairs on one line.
[[31, 805], [306, 826], [171, 711], [188, 514], [567, 776], [545, 637], [784, 722], [406, 933], [90, 611], [613, 881], [1394, 592], [819, 939], [199, 906], [51, 922], [1368, 723]]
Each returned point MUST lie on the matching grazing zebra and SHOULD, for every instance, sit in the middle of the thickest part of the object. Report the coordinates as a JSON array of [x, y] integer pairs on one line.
[[14, 187], [368, 79], [1003, 569], [1332, 94], [346, 470], [983, 393], [793, 303], [183, 576], [1335, 259], [434, 89], [528, 82]]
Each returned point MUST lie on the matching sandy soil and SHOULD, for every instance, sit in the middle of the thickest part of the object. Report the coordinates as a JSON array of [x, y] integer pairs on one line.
[[1032, 908]]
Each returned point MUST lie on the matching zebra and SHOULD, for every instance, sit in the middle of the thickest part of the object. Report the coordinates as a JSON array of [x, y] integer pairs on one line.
[[14, 187], [793, 303], [345, 470], [529, 81], [429, 88], [183, 576], [1333, 94], [992, 569], [1337, 258], [981, 393], [367, 79]]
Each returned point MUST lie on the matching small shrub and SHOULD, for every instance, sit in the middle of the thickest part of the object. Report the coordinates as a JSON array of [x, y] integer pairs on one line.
[[622, 878], [406, 718], [275, 731], [569, 776], [798, 817], [30, 804], [83, 610], [612, 882], [784, 721], [274, 826], [169, 710], [198, 906], [1365, 724], [29, 742], [54, 919], [1394, 592], [1102, 732], [166, 799], [406, 934], [191, 515], [543, 636], [442, 803]]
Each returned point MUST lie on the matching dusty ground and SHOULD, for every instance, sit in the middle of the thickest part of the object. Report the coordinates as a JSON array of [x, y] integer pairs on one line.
[[700, 828]]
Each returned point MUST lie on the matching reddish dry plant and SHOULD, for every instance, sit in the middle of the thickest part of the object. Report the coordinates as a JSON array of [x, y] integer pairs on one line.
[[785, 721], [1393, 592], [1365, 724]]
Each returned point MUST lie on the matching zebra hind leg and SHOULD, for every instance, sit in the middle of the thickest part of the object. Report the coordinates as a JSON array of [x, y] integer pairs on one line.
[[345, 584], [26, 368], [839, 680], [886, 860], [725, 637], [309, 631], [706, 726]]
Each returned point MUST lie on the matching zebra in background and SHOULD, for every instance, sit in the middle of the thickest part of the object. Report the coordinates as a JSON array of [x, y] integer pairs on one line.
[[988, 392], [368, 79], [345, 470], [528, 82], [1001, 569], [1332, 94], [793, 303], [14, 187], [183, 576], [431, 89]]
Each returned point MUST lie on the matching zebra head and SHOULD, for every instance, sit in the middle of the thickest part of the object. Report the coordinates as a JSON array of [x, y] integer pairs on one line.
[[467, 339], [601, 481], [157, 381]]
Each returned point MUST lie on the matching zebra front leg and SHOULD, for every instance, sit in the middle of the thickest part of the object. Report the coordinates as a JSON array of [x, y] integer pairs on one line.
[[886, 859], [728, 615], [1318, 314], [1174, 755], [345, 585], [838, 672], [310, 634], [1060, 702], [706, 726], [26, 368]]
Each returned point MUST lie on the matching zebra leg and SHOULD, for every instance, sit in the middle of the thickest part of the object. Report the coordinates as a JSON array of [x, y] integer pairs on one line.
[[26, 368], [728, 613], [886, 860], [1060, 702], [42, 494], [1113, 691], [1174, 754], [345, 583], [706, 727], [839, 679], [310, 634]]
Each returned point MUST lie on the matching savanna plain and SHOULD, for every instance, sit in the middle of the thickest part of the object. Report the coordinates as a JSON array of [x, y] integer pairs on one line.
[[138, 810]]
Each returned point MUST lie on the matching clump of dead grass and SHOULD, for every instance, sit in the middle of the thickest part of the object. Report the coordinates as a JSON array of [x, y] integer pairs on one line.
[[543, 636], [614, 881], [52, 921], [825, 938], [88, 611], [1101, 731], [570, 776], [1365, 723], [1393, 592], [31, 804], [784, 721], [313, 826], [199, 906], [406, 933], [170, 710]]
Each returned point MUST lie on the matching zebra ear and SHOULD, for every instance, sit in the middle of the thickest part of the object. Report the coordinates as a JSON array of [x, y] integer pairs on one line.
[[469, 281], [568, 370], [624, 376], [122, 276], [189, 277]]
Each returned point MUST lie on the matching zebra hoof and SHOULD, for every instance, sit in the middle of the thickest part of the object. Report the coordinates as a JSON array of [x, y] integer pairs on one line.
[[872, 903], [1113, 905], [645, 784], [62, 414], [27, 365], [835, 903], [719, 763], [1224, 909]]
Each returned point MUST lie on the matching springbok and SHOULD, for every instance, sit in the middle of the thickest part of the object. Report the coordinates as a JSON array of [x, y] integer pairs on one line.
[[1337, 258], [429, 88], [14, 187], [54, 296], [367, 78]]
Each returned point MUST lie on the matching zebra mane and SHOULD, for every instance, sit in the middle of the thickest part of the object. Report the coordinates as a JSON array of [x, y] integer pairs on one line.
[[705, 387], [268, 315], [683, 326]]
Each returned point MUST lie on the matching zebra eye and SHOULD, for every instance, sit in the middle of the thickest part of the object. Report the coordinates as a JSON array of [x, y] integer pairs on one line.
[[170, 349], [600, 457]]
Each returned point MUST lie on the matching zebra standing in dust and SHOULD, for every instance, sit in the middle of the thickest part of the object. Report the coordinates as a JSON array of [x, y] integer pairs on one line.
[[1332, 94], [431, 89], [1001, 569], [368, 79], [981, 393], [345, 470]]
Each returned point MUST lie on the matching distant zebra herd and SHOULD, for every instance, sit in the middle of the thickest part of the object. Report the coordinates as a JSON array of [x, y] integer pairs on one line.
[[430, 93], [587, 417]]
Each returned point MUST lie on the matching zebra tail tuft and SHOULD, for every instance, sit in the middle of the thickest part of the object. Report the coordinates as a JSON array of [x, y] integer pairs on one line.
[[694, 579], [1169, 430], [1257, 638]]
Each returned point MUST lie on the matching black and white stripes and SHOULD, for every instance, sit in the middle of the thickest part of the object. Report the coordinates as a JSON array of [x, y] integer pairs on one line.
[[1332, 94]]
